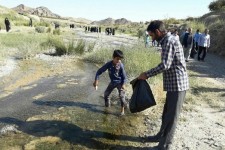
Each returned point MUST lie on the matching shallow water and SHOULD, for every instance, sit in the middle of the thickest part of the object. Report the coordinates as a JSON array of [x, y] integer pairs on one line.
[[83, 122]]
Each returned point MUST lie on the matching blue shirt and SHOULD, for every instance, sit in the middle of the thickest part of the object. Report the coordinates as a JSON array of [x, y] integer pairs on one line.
[[196, 36], [117, 72]]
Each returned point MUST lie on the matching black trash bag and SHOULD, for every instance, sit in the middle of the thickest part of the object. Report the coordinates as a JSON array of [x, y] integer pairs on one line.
[[142, 97]]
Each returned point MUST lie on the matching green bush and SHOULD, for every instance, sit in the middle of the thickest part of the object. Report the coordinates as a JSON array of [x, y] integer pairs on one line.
[[40, 29], [194, 25], [49, 30], [42, 23], [56, 32], [62, 48], [91, 47], [141, 33], [78, 48], [171, 21], [217, 5], [57, 43]]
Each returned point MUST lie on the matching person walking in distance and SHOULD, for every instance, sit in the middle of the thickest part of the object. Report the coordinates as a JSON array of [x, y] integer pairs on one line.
[[204, 44], [187, 43], [7, 25]]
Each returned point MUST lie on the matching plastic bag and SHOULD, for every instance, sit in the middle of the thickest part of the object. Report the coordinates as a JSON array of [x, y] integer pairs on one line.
[[142, 97]]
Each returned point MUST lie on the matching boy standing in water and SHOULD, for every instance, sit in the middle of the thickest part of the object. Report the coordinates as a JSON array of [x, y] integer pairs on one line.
[[117, 76]]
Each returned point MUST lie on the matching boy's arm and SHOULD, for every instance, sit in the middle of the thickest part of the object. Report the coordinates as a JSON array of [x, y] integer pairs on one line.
[[99, 72]]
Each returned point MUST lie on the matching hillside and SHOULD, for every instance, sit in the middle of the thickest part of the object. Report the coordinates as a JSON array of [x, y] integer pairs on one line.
[[39, 11], [22, 9], [215, 22]]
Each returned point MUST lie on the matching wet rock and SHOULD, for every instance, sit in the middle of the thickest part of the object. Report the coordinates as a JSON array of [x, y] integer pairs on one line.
[[61, 108], [9, 129]]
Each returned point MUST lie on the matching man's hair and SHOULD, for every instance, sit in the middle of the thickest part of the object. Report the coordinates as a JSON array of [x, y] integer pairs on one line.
[[118, 53], [156, 24]]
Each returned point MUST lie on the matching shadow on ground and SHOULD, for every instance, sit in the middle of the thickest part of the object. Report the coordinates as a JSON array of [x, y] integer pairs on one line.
[[89, 107], [209, 68], [201, 89], [72, 133]]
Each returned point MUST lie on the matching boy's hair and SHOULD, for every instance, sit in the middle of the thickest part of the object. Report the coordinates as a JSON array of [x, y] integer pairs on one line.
[[118, 53], [157, 24]]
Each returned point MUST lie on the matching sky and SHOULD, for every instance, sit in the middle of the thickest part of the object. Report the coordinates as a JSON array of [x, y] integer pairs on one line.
[[134, 10]]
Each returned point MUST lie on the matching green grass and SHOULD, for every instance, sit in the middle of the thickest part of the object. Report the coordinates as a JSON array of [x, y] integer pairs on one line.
[[25, 44]]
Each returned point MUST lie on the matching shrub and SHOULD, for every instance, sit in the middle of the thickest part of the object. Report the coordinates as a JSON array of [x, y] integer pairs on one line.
[[57, 43], [171, 21], [194, 25], [56, 32], [62, 48], [217, 5], [141, 33], [40, 29], [49, 30], [80, 47], [43, 24], [91, 47]]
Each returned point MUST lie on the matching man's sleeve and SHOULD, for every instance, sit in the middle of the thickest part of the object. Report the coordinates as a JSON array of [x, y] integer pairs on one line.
[[208, 42], [101, 70], [166, 60]]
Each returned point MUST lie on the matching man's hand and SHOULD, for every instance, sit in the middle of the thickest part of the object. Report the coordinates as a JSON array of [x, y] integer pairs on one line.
[[95, 84], [142, 76]]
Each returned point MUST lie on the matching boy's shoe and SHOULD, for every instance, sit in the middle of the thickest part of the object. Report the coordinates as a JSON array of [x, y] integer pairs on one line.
[[122, 114], [107, 104]]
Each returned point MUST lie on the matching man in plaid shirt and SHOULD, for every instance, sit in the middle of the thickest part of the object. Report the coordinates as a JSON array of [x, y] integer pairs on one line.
[[175, 82]]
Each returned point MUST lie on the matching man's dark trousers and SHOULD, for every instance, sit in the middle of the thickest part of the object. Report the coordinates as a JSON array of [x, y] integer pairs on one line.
[[172, 109]]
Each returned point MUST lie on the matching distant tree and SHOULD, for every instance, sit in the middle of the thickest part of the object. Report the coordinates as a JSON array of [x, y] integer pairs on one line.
[[217, 5]]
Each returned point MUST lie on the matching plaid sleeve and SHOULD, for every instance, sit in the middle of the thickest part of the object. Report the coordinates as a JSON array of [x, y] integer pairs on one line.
[[168, 52]]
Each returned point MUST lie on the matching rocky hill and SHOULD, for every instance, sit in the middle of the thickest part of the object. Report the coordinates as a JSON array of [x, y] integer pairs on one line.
[[111, 21], [22, 9], [122, 21], [39, 11]]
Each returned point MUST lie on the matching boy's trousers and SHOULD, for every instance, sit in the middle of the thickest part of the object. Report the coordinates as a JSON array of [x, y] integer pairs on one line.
[[109, 90]]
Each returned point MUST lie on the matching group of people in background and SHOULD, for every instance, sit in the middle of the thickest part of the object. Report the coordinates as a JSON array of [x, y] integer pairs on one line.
[[193, 44]]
